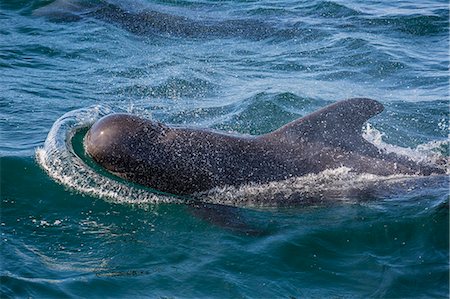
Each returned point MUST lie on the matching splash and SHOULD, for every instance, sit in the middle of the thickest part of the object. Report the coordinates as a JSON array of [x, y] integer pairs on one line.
[[332, 185], [58, 158], [432, 153]]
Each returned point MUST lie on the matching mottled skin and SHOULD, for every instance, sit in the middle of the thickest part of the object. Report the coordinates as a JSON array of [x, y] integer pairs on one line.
[[185, 160], [147, 22]]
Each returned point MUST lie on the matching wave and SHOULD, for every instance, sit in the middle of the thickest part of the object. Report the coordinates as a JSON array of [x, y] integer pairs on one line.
[[60, 160]]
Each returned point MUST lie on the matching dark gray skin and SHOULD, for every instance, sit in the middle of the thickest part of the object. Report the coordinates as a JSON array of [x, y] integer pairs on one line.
[[149, 22], [184, 161]]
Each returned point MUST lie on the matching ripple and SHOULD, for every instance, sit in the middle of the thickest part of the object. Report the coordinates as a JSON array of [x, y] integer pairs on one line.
[[172, 88]]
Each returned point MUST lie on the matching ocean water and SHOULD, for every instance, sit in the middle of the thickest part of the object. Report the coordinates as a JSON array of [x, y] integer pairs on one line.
[[69, 230]]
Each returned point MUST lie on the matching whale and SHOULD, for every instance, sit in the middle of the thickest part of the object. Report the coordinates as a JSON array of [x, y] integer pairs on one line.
[[187, 160], [148, 21]]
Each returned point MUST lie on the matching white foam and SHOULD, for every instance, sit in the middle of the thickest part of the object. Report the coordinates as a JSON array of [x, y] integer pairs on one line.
[[428, 153], [340, 184]]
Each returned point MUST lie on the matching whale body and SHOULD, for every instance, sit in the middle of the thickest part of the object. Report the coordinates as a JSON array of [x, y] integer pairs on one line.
[[183, 161], [147, 21]]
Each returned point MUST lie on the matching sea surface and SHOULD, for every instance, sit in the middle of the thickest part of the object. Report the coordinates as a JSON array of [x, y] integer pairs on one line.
[[70, 230]]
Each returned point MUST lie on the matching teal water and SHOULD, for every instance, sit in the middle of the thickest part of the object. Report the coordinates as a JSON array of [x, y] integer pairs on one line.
[[69, 231]]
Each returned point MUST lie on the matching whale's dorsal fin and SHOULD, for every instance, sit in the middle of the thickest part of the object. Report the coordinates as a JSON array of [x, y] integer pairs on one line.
[[338, 124]]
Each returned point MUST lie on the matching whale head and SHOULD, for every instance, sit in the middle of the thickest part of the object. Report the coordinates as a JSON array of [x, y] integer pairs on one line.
[[120, 142]]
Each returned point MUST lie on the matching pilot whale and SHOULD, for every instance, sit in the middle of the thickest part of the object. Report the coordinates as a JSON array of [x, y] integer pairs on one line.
[[184, 161], [146, 21]]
